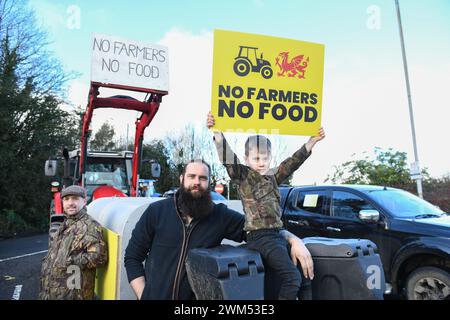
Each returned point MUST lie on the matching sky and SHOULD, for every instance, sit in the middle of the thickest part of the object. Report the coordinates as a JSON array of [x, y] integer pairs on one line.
[[365, 102]]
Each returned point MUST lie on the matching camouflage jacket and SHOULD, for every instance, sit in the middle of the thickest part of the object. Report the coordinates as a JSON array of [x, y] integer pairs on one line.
[[259, 193], [68, 269]]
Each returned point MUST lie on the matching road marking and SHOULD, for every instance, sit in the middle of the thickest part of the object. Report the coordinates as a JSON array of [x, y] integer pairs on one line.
[[23, 256], [17, 291]]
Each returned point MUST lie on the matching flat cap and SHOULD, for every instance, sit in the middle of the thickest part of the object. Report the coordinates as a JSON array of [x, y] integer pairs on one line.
[[73, 191]]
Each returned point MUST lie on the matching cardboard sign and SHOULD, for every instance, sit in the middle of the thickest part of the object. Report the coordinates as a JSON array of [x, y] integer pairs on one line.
[[310, 200], [131, 63], [263, 84]]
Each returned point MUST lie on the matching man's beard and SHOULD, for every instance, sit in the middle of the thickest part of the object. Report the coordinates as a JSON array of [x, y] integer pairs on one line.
[[198, 206]]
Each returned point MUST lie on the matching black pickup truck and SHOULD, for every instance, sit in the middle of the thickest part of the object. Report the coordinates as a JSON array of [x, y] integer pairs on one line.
[[412, 235]]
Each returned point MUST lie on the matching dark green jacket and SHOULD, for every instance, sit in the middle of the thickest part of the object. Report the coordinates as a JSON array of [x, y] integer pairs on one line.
[[68, 269]]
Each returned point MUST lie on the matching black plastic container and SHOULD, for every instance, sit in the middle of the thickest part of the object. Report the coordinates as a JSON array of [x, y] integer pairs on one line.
[[346, 269], [225, 273]]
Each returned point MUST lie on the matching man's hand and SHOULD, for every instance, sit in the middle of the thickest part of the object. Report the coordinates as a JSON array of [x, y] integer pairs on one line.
[[300, 253], [138, 286], [314, 139]]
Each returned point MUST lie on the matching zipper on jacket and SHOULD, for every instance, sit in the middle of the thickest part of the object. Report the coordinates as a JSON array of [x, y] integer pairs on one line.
[[182, 246], [183, 258], [176, 283]]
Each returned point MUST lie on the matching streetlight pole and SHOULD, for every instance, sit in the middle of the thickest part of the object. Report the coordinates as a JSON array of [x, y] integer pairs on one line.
[[416, 167]]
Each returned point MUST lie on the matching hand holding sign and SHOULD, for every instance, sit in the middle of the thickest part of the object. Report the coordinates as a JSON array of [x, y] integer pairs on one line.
[[320, 137], [314, 139], [210, 121]]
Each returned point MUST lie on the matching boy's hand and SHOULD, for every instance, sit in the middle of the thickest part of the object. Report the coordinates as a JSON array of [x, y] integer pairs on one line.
[[210, 121], [321, 135], [314, 139]]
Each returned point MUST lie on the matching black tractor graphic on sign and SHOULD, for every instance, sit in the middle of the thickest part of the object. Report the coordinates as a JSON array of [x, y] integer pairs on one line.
[[248, 60]]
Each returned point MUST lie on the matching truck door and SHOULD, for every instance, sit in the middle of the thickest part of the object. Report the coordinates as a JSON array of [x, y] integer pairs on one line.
[[345, 222], [306, 212]]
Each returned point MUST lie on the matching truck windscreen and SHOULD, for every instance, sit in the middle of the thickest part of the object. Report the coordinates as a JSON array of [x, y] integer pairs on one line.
[[107, 171]]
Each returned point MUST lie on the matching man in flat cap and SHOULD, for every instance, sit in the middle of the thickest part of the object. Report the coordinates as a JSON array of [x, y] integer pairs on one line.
[[78, 248]]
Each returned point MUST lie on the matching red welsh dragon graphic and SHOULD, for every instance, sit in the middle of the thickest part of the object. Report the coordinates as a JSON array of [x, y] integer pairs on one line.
[[297, 66]]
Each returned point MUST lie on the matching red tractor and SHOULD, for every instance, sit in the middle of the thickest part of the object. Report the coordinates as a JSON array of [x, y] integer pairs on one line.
[[105, 174]]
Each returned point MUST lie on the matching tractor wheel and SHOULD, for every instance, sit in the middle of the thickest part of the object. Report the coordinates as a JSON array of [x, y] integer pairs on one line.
[[266, 72], [428, 283], [241, 67]]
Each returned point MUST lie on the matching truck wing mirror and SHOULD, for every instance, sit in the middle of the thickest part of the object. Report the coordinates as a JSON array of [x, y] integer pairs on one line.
[[156, 170], [153, 166], [50, 168], [369, 215]]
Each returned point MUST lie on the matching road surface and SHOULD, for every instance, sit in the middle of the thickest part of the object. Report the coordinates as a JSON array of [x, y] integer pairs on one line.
[[20, 267]]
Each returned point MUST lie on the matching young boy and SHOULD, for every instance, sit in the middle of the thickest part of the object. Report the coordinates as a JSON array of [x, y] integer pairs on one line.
[[258, 190]]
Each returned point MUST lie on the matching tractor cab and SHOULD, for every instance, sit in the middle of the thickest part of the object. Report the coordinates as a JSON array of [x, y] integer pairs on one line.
[[108, 169], [250, 54], [247, 60]]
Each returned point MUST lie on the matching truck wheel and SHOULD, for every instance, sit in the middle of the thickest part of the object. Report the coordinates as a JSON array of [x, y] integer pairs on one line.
[[241, 67], [266, 72], [428, 283]]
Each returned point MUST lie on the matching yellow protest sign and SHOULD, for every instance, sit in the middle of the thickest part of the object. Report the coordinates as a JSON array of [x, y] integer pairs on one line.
[[265, 84]]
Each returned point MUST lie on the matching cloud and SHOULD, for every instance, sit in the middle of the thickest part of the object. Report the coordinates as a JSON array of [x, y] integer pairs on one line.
[[77, 95], [189, 99], [364, 107]]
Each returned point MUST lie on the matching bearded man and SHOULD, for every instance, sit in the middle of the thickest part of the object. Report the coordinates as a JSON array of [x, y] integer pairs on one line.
[[169, 228]]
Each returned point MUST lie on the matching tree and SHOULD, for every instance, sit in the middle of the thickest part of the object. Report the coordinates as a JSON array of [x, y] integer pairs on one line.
[[437, 191], [32, 124], [104, 139], [388, 168], [191, 143], [155, 150], [33, 61]]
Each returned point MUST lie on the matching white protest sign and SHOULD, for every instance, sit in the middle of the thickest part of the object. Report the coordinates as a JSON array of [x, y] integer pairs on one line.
[[130, 63], [310, 200]]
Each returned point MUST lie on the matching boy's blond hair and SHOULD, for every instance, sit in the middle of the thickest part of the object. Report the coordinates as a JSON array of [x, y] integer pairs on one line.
[[260, 142]]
